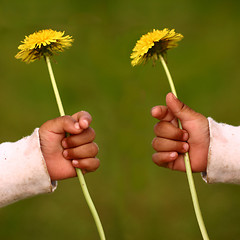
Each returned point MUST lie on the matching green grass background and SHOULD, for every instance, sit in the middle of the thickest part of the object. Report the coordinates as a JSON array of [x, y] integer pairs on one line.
[[135, 198]]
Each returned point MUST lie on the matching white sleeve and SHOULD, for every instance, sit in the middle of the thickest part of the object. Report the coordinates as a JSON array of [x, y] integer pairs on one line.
[[224, 154], [23, 171]]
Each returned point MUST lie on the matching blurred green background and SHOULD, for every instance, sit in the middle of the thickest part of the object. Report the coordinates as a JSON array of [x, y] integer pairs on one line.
[[135, 198]]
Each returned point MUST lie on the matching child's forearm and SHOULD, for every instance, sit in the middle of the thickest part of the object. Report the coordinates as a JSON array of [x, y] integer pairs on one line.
[[224, 154], [23, 172]]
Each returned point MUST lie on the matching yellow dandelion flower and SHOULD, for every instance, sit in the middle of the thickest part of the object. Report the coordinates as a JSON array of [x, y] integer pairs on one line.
[[43, 43], [154, 43]]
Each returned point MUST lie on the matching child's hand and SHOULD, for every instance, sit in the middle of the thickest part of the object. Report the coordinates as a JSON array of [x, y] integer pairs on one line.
[[171, 142], [62, 154]]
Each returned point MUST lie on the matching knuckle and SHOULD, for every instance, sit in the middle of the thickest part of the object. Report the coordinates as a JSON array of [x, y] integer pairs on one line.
[[184, 108], [158, 126], [65, 119], [158, 159], [97, 163], [85, 113], [91, 133], [178, 134], [155, 158], [163, 129], [94, 148], [155, 143]]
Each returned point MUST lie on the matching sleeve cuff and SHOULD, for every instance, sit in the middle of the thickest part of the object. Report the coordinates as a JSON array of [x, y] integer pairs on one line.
[[224, 154], [23, 171]]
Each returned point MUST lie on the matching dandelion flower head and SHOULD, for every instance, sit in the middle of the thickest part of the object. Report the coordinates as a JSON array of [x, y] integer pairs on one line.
[[43, 43], [154, 43]]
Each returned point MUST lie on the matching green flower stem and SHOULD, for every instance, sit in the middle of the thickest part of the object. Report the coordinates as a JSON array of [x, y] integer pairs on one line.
[[188, 165], [79, 172], [55, 88]]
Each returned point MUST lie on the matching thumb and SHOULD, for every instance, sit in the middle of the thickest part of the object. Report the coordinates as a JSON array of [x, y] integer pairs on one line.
[[61, 125], [179, 109], [84, 119]]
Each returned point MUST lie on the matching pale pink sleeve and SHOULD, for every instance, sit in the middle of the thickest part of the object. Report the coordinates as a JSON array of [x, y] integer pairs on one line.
[[23, 171], [224, 154]]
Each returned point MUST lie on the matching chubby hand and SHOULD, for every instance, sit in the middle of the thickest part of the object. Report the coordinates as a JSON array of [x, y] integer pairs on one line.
[[63, 154], [171, 142]]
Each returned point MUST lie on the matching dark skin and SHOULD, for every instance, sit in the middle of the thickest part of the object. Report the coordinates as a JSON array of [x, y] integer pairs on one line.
[[171, 142], [63, 154]]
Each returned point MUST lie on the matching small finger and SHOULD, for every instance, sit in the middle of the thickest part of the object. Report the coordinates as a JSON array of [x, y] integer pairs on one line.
[[88, 150], [166, 145], [87, 136], [168, 130], [164, 157], [171, 160], [87, 164]]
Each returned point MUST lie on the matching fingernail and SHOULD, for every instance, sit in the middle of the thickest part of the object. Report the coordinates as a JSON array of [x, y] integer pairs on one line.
[[154, 111], [185, 136], [65, 153], [173, 154], [64, 143], [185, 147], [76, 125], [85, 123], [74, 162]]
